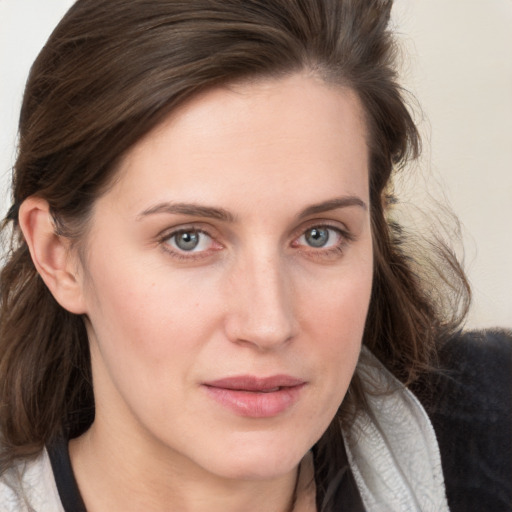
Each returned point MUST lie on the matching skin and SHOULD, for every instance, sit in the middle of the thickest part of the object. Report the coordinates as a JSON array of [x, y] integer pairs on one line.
[[255, 297]]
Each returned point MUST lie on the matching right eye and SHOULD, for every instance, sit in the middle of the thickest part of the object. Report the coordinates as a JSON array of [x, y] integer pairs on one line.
[[320, 237], [189, 241]]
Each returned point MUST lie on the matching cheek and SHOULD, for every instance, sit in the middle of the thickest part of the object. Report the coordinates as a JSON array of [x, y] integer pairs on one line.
[[150, 317], [339, 299], [146, 335], [333, 335], [335, 313]]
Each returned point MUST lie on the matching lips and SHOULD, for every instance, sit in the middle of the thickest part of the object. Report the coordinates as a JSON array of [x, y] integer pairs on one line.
[[256, 397]]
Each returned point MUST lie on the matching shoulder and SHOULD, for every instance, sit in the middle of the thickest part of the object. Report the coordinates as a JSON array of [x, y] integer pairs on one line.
[[28, 486], [469, 402]]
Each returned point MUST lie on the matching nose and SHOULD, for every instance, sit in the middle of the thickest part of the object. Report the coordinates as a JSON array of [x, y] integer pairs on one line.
[[260, 304]]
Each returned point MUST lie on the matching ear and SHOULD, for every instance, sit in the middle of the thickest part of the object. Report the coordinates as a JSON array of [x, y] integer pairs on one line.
[[54, 259]]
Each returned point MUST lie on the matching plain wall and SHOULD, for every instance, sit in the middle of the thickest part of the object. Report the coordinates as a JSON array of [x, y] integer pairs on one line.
[[458, 64]]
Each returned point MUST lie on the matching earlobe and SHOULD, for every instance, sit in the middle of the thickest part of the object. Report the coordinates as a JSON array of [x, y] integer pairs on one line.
[[53, 258]]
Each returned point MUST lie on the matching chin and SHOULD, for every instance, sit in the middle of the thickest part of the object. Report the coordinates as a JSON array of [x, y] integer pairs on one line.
[[263, 468], [258, 460]]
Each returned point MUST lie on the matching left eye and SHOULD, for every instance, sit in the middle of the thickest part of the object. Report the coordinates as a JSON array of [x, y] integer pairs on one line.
[[320, 237], [190, 241]]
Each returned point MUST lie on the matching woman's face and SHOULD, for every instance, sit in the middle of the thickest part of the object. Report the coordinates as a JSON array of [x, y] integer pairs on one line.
[[227, 278]]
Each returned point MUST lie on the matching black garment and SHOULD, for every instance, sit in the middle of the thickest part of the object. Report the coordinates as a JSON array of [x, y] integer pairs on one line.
[[470, 405], [64, 477]]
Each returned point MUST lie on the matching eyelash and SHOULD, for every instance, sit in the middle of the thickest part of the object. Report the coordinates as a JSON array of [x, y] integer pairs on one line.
[[345, 238], [182, 254], [317, 253]]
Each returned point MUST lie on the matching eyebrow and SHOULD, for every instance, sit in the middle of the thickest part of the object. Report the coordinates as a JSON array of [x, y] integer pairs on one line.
[[196, 210], [191, 209], [333, 204]]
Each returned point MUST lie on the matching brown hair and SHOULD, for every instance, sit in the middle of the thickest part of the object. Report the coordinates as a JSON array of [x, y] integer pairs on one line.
[[110, 72]]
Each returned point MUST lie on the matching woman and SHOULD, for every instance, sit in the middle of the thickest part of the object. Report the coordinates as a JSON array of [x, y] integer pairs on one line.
[[202, 255]]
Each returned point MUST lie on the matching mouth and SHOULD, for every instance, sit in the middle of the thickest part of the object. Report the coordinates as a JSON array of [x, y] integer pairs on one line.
[[256, 397]]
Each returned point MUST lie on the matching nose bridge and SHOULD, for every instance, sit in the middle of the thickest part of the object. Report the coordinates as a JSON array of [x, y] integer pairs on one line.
[[261, 306]]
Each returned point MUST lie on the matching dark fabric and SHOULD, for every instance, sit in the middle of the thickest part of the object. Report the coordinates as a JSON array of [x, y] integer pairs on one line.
[[64, 476], [346, 496], [470, 406], [335, 484]]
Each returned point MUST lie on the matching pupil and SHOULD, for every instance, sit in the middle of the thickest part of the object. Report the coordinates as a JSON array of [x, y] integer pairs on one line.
[[187, 241], [317, 237]]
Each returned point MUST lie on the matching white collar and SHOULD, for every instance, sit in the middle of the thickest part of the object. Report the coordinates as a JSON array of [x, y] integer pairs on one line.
[[392, 448]]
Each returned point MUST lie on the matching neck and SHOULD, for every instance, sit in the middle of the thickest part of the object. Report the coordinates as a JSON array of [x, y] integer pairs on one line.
[[114, 475]]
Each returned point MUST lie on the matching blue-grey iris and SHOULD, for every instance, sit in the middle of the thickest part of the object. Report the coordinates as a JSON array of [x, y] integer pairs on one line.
[[187, 240], [317, 237]]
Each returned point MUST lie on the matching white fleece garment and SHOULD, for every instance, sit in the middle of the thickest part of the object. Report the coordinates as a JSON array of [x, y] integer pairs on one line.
[[392, 448]]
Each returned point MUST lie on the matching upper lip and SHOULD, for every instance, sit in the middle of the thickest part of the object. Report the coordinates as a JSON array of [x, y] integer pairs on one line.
[[253, 383]]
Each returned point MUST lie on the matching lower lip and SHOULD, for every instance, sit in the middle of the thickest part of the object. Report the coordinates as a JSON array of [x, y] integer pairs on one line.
[[256, 404]]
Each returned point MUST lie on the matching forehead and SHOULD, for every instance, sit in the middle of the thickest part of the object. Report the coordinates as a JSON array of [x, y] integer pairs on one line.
[[289, 134]]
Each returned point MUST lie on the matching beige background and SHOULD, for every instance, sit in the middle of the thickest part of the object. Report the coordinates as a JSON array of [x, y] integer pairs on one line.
[[458, 64]]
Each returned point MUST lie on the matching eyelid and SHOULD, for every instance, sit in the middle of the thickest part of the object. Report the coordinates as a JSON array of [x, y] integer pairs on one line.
[[199, 227], [168, 233], [203, 238], [324, 254], [346, 236], [338, 226]]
